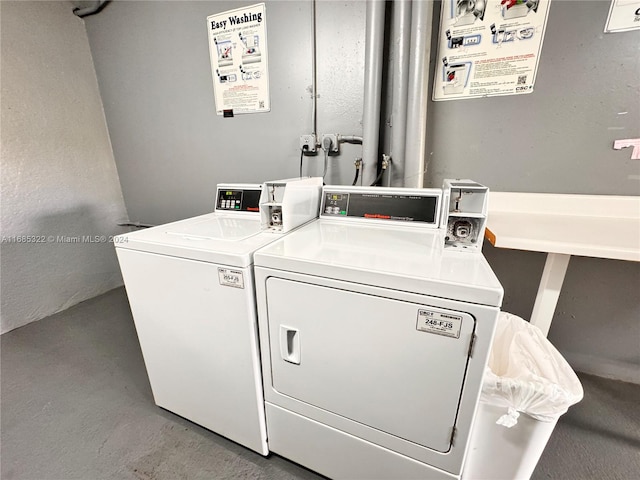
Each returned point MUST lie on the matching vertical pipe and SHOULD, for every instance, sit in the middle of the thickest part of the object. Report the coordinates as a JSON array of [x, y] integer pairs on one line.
[[372, 89], [314, 75], [401, 43], [415, 167]]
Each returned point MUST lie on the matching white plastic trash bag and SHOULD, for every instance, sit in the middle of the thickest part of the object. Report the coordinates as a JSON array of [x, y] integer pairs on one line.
[[526, 373]]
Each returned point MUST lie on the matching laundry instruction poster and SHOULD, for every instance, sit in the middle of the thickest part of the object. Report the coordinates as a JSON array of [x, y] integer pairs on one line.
[[488, 47], [239, 65], [624, 16]]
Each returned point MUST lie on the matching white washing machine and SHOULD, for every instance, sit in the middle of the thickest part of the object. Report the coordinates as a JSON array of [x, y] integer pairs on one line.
[[374, 337], [191, 289]]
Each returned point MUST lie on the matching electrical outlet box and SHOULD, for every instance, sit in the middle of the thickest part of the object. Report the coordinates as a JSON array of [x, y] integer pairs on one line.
[[333, 138], [308, 141]]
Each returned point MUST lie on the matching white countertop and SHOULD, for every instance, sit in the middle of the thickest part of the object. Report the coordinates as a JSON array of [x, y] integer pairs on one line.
[[603, 226]]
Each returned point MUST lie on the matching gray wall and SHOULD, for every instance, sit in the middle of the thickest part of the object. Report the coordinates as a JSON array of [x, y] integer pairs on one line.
[[59, 177], [559, 139], [171, 149], [152, 60]]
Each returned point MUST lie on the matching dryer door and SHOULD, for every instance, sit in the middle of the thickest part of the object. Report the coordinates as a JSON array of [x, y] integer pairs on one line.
[[395, 366]]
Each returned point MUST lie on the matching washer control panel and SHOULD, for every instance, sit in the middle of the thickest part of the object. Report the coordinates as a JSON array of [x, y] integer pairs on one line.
[[238, 199]]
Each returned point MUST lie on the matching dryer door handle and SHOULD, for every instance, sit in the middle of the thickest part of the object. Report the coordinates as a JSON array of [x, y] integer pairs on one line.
[[290, 344]]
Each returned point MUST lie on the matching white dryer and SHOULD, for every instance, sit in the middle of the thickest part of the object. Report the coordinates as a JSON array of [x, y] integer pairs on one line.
[[374, 337], [191, 290]]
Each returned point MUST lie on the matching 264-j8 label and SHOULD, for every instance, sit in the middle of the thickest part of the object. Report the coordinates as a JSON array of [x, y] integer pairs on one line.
[[230, 278], [439, 323]]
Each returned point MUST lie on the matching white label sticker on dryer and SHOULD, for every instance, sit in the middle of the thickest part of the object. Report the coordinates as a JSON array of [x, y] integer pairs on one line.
[[230, 278], [439, 323]]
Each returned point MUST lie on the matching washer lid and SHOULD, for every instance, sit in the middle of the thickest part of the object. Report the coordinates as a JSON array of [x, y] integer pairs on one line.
[[400, 258], [216, 228], [217, 238]]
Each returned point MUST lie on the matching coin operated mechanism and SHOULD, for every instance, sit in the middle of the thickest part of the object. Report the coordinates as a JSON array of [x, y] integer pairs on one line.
[[464, 215], [287, 204]]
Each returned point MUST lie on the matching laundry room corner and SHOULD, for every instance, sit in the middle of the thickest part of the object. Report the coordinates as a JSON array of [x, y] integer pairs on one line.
[[61, 196]]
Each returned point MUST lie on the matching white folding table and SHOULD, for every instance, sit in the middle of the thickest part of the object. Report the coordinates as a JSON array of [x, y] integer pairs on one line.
[[603, 226]]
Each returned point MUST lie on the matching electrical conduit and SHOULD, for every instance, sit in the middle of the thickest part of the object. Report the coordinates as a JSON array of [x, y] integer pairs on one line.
[[415, 166], [372, 89], [401, 35]]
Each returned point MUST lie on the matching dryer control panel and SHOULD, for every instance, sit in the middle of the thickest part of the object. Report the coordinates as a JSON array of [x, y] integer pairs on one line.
[[419, 205]]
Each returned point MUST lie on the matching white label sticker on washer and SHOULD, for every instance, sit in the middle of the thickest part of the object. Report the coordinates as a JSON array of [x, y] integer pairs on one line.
[[231, 278], [439, 323]]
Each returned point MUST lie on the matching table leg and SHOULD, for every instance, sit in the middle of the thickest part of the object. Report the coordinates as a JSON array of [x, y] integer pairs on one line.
[[549, 290]]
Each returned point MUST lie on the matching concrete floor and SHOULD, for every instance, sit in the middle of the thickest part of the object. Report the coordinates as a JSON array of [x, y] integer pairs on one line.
[[76, 404]]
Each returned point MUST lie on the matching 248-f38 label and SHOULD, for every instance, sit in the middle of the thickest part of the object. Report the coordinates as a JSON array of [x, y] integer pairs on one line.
[[440, 323]]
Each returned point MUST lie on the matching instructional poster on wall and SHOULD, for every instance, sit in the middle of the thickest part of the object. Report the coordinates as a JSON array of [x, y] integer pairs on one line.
[[624, 16], [488, 47], [239, 64]]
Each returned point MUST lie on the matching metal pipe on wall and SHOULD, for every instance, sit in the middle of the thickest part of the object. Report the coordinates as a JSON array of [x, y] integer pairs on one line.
[[415, 165], [82, 10], [314, 75], [372, 89], [401, 35]]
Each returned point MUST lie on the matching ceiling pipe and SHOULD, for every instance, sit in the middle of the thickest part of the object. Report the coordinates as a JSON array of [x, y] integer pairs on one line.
[[401, 35], [415, 166], [372, 89], [95, 8]]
